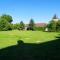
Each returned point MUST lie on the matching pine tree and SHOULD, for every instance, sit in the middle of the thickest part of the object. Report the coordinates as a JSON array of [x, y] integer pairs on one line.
[[55, 17], [31, 25], [22, 25]]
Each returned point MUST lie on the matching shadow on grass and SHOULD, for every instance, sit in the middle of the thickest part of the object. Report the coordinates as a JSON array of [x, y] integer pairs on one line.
[[29, 51]]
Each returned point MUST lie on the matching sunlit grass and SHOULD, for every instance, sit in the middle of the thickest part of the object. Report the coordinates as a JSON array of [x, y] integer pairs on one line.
[[8, 38]]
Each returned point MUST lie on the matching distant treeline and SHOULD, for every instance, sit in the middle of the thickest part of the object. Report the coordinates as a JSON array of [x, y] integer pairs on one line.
[[6, 24]]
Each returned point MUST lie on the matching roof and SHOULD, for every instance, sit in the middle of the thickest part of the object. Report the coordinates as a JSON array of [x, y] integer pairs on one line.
[[40, 24]]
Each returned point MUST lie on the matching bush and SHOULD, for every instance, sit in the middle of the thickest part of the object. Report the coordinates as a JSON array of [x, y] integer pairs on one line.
[[40, 28]]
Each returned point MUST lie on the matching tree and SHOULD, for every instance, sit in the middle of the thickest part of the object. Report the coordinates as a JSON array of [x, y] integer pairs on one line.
[[31, 25], [4, 25], [52, 25], [22, 25], [55, 17], [7, 18], [16, 26], [5, 22], [58, 25]]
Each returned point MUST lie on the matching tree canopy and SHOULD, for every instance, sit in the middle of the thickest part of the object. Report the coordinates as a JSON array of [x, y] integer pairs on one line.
[[5, 22], [7, 17], [31, 24], [22, 25], [55, 17]]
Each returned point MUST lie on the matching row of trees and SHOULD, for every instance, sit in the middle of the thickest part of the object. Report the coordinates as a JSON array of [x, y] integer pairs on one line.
[[6, 24], [21, 25]]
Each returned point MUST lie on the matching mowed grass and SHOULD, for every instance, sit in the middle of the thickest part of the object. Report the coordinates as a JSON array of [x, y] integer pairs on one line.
[[9, 38]]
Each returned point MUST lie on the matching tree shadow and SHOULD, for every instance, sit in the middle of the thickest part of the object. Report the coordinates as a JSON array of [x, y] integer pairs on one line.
[[32, 51]]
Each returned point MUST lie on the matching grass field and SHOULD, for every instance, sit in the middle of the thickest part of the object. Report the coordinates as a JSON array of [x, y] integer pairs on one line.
[[8, 38]]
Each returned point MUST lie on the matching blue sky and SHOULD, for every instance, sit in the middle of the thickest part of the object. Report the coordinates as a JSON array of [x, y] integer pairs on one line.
[[39, 10]]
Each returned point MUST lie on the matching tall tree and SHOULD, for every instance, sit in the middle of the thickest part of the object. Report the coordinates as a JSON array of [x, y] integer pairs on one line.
[[55, 16], [4, 25], [58, 25], [16, 26], [5, 22], [31, 24], [7, 17], [22, 25], [52, 25]]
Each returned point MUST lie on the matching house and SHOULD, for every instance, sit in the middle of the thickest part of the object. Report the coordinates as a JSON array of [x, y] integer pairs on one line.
[[37, 25], [40, 24]]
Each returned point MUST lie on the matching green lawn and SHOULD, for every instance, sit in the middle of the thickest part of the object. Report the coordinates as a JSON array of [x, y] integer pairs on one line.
[[8, 38]]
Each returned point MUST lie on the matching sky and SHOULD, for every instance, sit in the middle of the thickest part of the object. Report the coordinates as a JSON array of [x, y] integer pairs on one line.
[[41, 11]]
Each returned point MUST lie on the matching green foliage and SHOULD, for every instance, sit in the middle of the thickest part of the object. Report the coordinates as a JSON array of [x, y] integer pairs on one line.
[[7, 17], [55, 17], [5, 22], [58, 25], [39, 28], [52, 26], [31, 25], [16, 26], [22, 25], [4, 25], [19, 26]]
